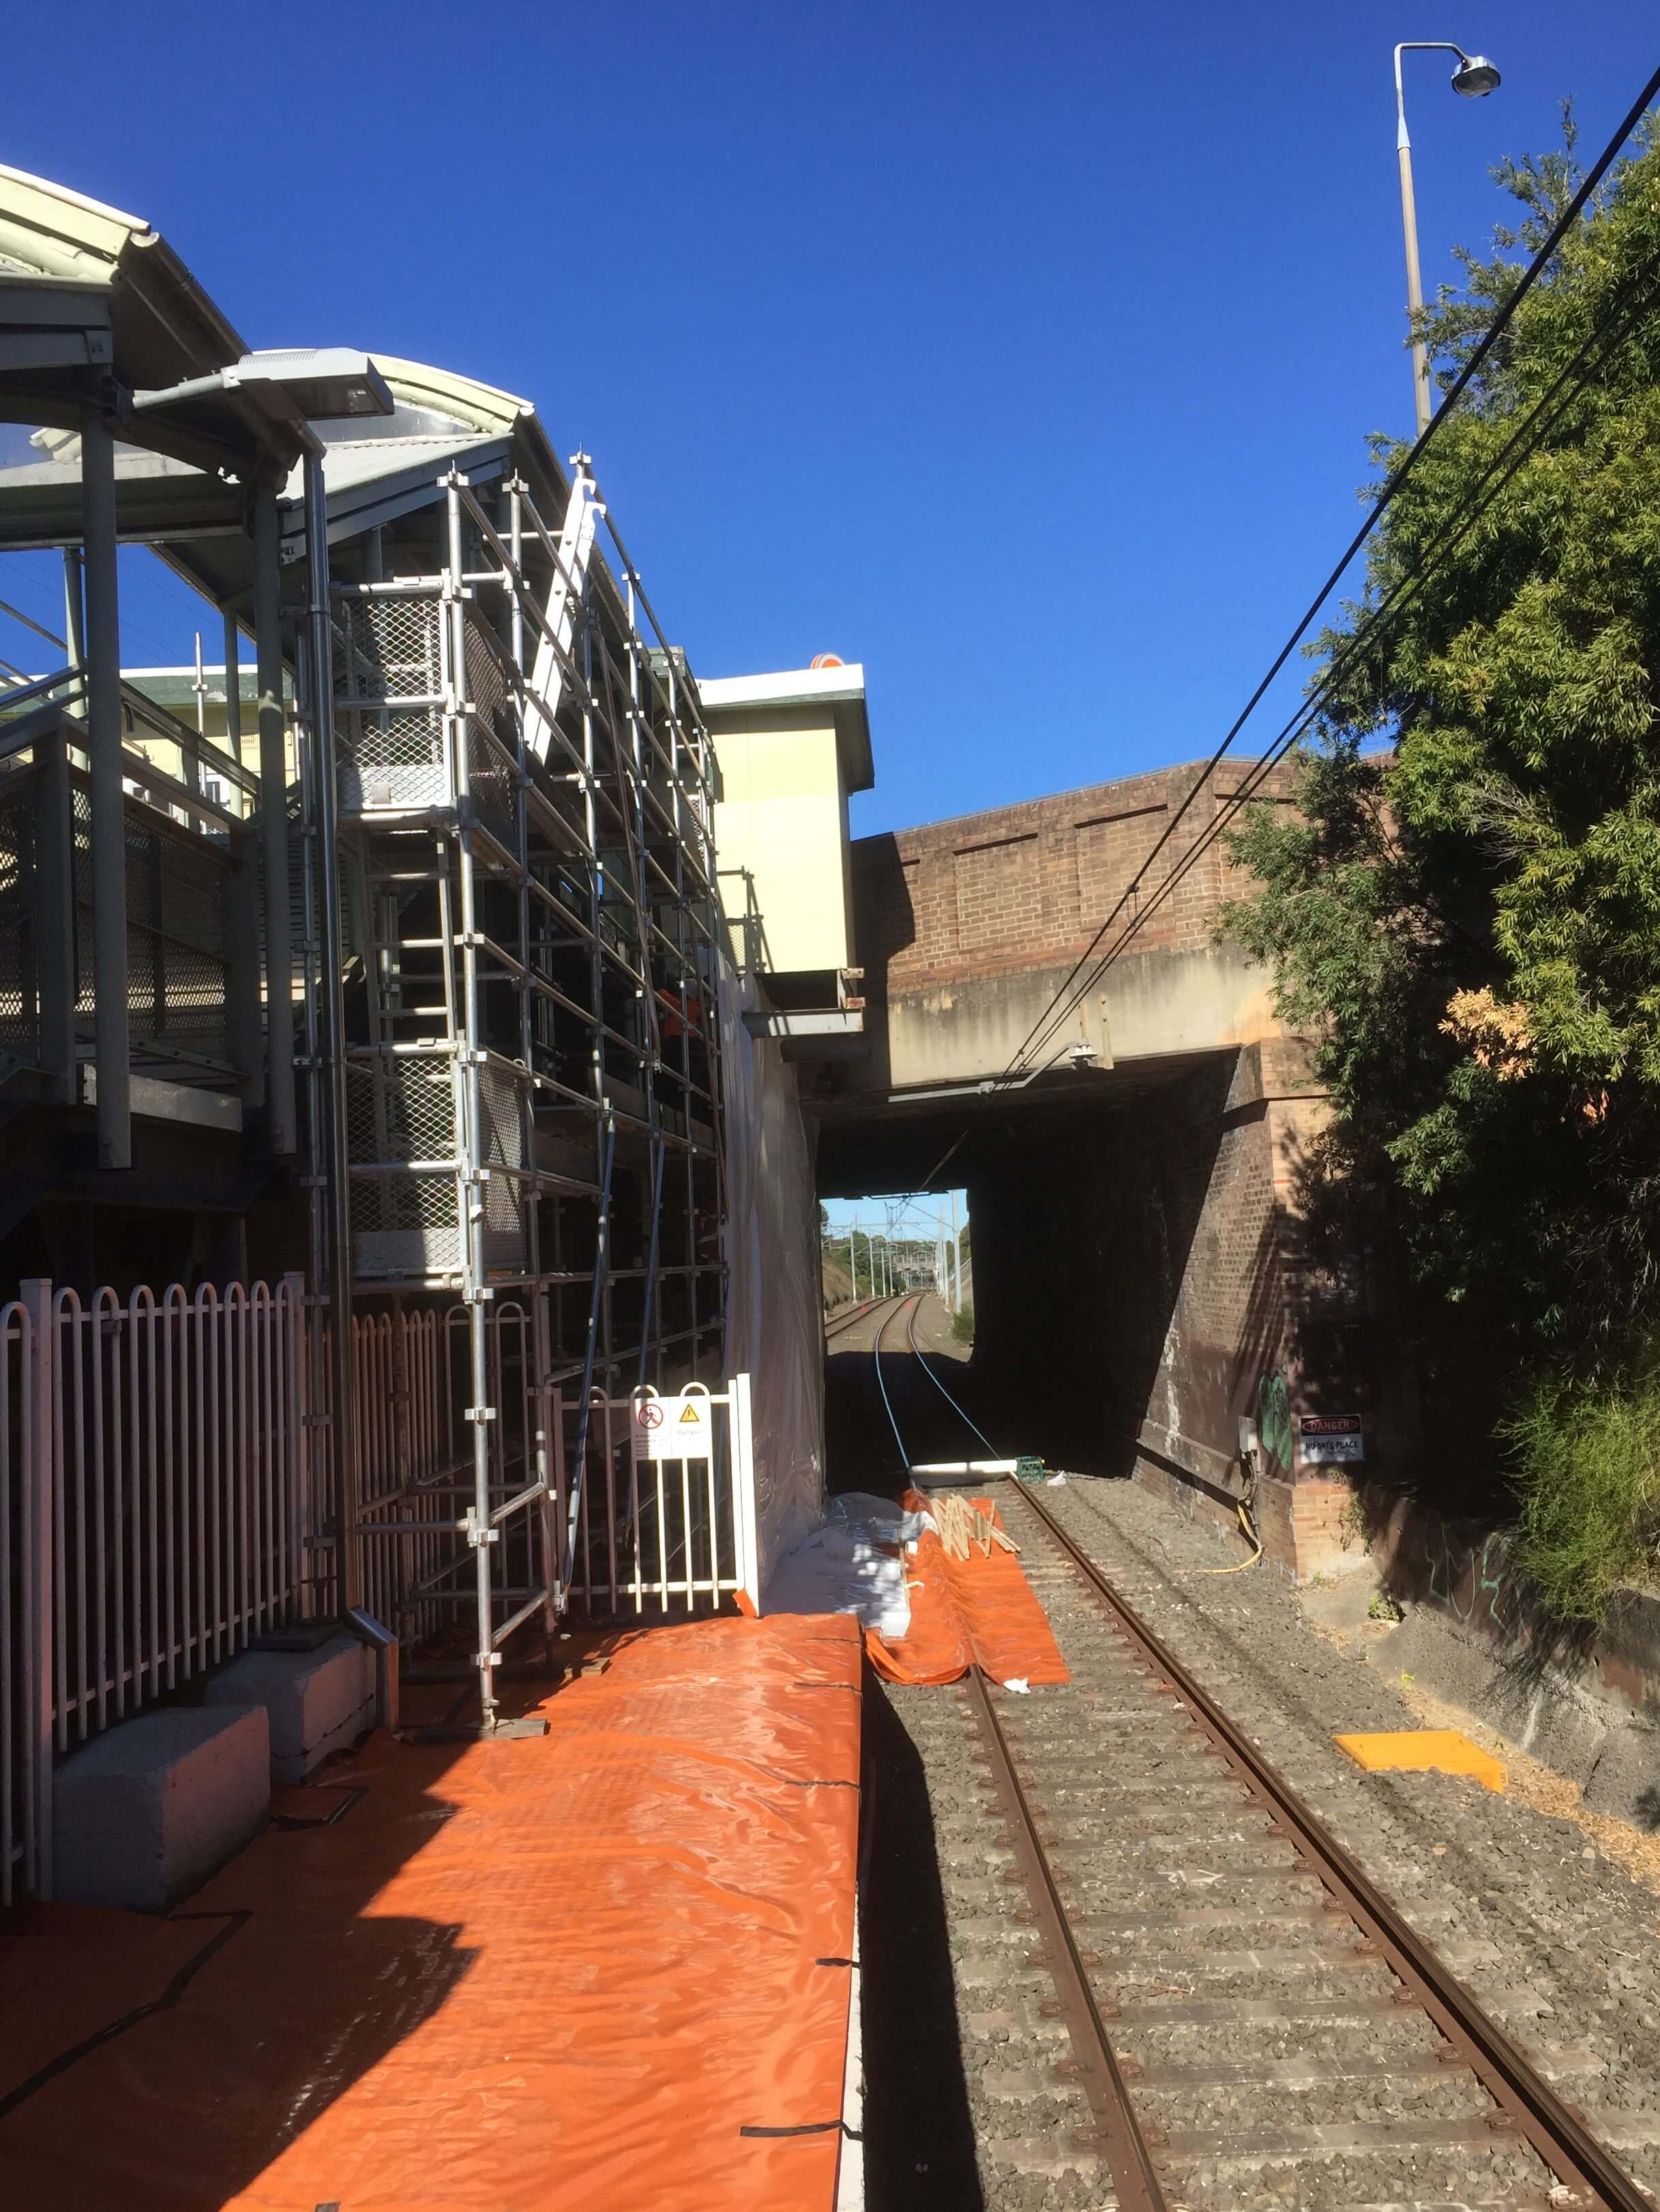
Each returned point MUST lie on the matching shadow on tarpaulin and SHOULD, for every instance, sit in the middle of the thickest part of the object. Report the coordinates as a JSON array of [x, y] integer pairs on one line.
[[607, 1966]]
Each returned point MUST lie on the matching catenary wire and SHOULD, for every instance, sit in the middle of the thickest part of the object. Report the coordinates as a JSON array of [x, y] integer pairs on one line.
[[1461, 383], [1606, 333]]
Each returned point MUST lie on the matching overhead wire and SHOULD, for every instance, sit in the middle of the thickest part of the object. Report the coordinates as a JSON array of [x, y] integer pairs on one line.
[[1386, 494], [1519, 448]]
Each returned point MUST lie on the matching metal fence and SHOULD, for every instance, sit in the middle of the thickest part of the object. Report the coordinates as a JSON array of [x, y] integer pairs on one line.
[[656, 1501], [153, 1513], [415, 1457]]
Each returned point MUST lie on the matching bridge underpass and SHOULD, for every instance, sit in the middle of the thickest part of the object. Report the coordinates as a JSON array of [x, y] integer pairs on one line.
[[1145, 1280]]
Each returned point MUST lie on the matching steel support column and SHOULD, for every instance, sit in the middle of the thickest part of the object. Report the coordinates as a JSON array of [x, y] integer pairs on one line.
[[109, 828], [54, 909], [274, 824], [331, 1148]]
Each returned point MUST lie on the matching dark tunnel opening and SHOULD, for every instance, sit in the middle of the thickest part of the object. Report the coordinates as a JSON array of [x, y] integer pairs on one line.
[[1137, 1289]]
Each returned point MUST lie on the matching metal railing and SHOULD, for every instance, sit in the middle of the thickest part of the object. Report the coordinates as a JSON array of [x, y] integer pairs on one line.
[[153, 1512], [645, 1525]]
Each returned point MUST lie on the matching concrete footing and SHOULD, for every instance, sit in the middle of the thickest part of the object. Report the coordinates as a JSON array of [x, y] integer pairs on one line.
[[145, 1814], [317, 1702]]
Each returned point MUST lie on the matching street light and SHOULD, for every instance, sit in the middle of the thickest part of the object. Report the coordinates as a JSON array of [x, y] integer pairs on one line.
[[1474, 78]]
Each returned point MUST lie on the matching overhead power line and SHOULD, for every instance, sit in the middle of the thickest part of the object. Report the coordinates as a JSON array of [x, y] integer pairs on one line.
[[1608, 331], [1391, 488]]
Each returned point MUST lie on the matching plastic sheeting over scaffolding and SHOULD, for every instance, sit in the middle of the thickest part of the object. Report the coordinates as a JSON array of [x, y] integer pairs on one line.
[[773, 1322]]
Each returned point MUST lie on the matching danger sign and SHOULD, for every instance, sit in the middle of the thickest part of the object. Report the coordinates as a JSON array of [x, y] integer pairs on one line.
[[673, 1428], [1331, 1439]]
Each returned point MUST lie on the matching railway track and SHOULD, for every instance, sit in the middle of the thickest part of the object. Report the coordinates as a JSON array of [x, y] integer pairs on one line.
[[1246, 2020], [843, 1323]]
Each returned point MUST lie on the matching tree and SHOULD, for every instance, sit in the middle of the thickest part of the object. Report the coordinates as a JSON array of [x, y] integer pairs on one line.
[[1470, 922]]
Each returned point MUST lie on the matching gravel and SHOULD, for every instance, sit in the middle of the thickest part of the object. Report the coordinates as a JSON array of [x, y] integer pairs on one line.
[[1252, 2018], [1551, 1936]]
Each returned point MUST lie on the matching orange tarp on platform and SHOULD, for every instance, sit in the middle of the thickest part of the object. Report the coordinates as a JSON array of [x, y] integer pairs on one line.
[[979, 1612], [547, 1975]]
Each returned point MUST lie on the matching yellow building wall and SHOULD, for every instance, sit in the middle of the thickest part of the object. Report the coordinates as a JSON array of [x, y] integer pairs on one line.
[[784, 818]]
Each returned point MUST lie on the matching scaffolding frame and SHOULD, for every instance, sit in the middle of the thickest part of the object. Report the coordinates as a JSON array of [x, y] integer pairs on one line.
[[508, 963]]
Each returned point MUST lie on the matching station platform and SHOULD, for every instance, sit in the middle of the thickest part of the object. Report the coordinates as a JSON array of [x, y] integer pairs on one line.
[[611, 1965]]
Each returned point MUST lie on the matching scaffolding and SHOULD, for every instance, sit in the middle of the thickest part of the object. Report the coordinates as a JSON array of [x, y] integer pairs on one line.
[[508, 962]]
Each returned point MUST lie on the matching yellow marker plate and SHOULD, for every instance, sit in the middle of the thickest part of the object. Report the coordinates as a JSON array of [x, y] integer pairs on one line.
[[1443, 1751]]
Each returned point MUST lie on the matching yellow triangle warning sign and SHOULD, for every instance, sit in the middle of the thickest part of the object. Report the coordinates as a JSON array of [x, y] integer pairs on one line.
[[690, 1413]]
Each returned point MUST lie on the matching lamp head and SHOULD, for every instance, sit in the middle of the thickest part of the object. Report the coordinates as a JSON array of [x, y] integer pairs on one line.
[[1474, 77]]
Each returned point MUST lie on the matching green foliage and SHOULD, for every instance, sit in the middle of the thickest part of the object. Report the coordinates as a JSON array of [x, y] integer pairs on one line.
[[1588, 1476], [1468, 923], [961, 1325]]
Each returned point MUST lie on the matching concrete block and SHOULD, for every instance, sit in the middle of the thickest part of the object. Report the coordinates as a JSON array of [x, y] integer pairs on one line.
[[316, 1701], [146, 1813]]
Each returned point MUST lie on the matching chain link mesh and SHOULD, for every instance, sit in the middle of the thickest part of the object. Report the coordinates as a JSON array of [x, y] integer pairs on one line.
[[20, 1007]]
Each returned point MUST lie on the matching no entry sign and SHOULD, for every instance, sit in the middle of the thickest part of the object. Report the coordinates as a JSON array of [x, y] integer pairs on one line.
[[681, 1427]]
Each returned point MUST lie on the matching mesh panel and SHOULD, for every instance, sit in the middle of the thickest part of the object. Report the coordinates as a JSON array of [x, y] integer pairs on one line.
[[490, 779], [390, 755], [501, 1101], [405, 1226], [399, 1110], [177, 977], [191, 885], [20, 1030]]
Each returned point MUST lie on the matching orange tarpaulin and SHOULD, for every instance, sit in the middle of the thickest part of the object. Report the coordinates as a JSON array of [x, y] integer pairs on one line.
[[980, 1612], [609, 1967]]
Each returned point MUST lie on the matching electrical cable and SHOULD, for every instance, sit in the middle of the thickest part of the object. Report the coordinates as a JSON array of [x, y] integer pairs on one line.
[[1391, 488], [1504, 467], [876, 1352], [922, 1362], [1523, 442]]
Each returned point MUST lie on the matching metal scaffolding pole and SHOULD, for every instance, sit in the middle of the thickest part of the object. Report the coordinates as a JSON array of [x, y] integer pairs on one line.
[[528, 914]]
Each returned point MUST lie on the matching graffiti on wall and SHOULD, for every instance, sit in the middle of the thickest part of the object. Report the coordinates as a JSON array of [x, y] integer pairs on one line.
[[1475, 1583], [1274, 1437]]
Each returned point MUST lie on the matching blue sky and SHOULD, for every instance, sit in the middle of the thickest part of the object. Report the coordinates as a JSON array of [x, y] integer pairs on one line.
[[918, 1221], [1025, 354]]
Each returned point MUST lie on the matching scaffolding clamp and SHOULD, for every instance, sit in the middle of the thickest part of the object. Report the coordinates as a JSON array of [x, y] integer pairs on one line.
[[478, 1413], [486, 1658], [479, 1532]]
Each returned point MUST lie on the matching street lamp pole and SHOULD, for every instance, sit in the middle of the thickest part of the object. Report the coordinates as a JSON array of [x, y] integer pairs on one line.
[[1474, 78]]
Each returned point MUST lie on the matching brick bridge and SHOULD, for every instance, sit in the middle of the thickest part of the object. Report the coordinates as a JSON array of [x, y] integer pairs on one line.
[[1142, 1249]]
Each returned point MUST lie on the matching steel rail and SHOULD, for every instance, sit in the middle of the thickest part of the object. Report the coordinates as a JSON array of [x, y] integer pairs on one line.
[[845, 1321], [1117, 2129], [887, 1403], [1098, 2074], [1527, 2103]]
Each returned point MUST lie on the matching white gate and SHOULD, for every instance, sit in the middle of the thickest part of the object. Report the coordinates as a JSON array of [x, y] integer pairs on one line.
[[655, 1501]]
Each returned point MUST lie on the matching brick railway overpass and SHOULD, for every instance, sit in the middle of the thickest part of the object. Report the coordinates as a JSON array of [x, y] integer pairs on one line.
[[1146, 1272]]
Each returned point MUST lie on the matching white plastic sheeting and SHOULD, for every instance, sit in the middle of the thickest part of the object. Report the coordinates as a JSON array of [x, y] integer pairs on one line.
[[856, 1563], [775, 1327]]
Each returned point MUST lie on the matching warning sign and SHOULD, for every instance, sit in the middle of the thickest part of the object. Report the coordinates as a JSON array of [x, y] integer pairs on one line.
[[1331, 1439], [673, 1428]]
